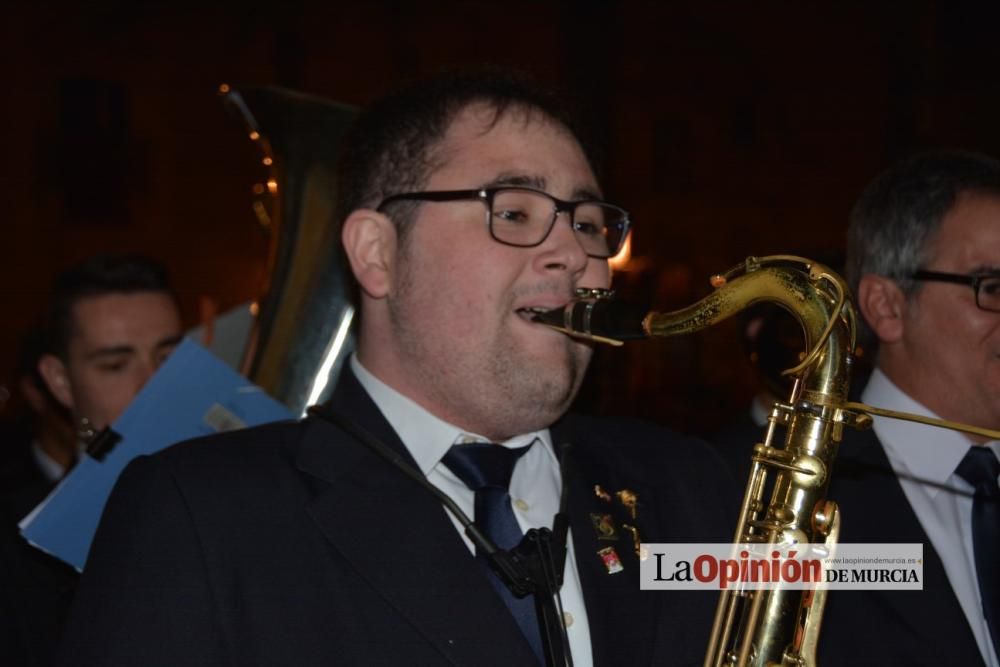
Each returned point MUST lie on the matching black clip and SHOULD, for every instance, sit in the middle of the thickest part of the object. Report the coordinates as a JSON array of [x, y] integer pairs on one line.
[[102, 443]]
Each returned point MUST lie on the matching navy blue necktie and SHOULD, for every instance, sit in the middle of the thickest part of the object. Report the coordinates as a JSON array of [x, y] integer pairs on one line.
[[486, 468], [980, 469]]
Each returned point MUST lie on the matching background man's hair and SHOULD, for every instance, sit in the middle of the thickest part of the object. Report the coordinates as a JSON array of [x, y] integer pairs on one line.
[[30, 349], [895, 221], [392, 147], [98, 276]]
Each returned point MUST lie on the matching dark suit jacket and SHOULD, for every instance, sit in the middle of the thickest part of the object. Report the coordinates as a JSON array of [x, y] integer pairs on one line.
[[294, 544], [888, 627], [35, 588]]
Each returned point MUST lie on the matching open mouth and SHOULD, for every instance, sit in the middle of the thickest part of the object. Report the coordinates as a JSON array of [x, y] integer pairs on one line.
[[529, 313]]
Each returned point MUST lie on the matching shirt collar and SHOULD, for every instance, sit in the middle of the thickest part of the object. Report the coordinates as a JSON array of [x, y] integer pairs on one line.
[[51, 469], [424, 435], [926, 453]]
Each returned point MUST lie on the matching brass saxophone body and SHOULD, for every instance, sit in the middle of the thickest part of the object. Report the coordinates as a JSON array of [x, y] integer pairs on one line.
[[767, 627]]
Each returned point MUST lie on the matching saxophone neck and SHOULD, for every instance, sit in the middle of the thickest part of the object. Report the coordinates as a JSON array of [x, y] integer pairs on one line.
[[811, 292]]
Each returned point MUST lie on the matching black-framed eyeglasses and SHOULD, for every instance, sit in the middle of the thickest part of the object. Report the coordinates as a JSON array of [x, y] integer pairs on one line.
[[524, 217], [985, 285]]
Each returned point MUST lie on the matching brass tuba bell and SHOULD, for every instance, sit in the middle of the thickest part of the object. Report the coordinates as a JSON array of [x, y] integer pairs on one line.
[[302, 330]]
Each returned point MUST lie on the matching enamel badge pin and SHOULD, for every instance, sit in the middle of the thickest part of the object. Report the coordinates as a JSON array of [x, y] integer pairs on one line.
[[610, 559]]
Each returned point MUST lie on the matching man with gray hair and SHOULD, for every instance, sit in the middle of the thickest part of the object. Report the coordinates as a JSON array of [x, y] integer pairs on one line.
[[923, 260]]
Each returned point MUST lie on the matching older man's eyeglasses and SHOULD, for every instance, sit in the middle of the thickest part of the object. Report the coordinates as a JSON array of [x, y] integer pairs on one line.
[[524, 217], [985, 285]]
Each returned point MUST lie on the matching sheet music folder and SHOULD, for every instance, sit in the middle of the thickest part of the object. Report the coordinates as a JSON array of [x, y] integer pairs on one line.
[[192, 394]]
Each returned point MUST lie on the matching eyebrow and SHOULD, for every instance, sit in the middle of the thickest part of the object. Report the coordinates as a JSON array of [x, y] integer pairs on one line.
[[116, 350], [110, 351], [986, 270], [538, 183], [170, 341]]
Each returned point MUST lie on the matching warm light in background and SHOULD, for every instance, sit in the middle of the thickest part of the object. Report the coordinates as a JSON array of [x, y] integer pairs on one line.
[[620, 261]]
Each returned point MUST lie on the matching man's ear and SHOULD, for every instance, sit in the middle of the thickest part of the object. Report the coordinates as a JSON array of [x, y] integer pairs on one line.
[[883, 305], [369, 239], [56, 377]]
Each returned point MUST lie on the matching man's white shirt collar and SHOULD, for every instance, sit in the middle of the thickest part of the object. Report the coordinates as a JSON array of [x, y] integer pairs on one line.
[[918, 451], [426, 437], [51, 469]]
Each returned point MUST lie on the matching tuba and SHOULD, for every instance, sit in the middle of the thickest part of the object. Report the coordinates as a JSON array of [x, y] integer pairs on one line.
[[302, 331], [766, 627]]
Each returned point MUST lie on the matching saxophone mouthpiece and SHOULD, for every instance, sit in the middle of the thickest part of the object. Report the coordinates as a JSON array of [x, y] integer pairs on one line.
[[599, 319]]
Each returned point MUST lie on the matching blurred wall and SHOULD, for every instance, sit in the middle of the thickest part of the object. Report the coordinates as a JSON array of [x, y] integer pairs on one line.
[[732, 129]]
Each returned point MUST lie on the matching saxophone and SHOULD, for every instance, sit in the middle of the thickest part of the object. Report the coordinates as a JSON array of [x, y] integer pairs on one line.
[[766, 627]]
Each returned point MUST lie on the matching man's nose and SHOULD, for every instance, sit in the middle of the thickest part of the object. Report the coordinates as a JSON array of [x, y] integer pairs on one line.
[[147, 368], [562, 248]]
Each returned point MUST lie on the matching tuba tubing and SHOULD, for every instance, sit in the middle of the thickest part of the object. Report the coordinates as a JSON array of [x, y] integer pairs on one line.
[[302, 332]]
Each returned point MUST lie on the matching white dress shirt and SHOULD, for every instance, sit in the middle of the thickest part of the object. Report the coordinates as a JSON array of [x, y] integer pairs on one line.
[[924, 459], [51, 469], [534, 488]]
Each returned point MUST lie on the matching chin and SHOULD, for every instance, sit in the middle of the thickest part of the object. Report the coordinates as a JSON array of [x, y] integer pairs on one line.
[[535, 418]]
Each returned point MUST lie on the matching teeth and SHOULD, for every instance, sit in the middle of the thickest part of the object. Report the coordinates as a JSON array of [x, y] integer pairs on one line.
[[533, 309]]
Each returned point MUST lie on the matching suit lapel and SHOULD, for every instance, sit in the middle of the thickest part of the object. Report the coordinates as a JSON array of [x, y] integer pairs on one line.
[[872, 495], [622, 619], [398, 538]]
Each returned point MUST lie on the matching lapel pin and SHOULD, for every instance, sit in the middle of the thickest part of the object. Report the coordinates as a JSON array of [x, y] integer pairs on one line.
[[640, 550], [610, 559], [604, 526], [628, 499], [601, 493]]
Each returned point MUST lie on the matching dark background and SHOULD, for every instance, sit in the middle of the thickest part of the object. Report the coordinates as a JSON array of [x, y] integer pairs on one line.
[[733, 129]]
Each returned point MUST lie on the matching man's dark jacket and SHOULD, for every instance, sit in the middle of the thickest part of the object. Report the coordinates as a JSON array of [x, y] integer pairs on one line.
[[294, 544], [35, 589], [924, 627]]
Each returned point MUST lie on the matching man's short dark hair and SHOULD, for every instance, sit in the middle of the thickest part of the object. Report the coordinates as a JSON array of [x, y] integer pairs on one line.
[[896, 219], [392, 147], [30, 349], [894, 222], [98, 276]]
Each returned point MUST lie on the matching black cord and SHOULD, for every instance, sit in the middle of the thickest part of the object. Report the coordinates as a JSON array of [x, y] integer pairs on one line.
[[477, 536], [528, 568], [552, 583]]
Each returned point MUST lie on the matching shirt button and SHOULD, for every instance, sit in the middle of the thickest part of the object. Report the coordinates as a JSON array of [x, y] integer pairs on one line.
[[521, 505], [567, 619]]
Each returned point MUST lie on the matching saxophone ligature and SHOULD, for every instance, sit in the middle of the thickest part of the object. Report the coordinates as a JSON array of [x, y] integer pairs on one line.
[[765, 627]]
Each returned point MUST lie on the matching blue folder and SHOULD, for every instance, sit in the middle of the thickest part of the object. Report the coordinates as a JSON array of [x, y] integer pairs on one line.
[[192, 394]]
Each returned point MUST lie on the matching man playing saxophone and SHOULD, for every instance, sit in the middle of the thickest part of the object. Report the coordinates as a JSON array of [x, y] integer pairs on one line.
[[924, 264], [469, 204]]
